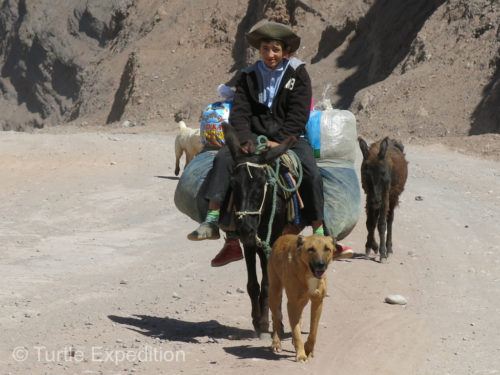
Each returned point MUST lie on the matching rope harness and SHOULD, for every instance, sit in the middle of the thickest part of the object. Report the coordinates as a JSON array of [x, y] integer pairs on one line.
[[275, 182]]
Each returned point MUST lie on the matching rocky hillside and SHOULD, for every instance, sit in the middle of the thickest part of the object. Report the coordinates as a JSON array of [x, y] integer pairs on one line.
[[413, 69]]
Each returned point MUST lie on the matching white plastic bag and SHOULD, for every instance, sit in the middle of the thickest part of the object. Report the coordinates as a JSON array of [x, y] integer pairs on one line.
[[332, 134]]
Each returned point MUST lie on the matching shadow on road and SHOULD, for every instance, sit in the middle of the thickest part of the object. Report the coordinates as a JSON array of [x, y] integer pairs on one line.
[[260, 352], [180, 330], [175, 178]]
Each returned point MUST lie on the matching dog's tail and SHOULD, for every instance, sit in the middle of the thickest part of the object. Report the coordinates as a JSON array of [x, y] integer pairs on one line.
[[182, 125]]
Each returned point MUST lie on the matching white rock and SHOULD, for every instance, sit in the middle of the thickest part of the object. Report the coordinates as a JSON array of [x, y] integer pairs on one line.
[[396, 299]]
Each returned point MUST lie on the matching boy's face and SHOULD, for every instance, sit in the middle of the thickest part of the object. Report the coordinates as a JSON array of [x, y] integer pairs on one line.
[[271, 53]]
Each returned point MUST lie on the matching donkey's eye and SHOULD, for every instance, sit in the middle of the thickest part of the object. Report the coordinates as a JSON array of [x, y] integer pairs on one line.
[[327, 249], [311, 250]]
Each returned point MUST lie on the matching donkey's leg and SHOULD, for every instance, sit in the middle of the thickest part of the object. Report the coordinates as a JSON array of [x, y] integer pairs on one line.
[[390, 219], [371, 221], [264, 295], [253, 285], [382, 228]]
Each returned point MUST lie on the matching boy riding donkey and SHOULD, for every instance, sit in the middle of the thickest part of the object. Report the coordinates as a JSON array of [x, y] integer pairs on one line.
[[272, 98]]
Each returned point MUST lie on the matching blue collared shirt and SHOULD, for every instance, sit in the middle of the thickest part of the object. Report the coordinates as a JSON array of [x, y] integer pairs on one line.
[[271, 79]]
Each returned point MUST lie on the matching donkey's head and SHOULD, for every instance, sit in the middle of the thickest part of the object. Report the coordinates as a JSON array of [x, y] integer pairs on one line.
[[375, 170], [252, 195]]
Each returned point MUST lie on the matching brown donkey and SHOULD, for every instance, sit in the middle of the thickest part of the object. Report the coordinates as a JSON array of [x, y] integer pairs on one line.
[[383, 176]]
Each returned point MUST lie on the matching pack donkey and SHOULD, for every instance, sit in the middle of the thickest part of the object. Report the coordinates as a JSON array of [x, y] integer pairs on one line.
[[253, 202], [383, 176]]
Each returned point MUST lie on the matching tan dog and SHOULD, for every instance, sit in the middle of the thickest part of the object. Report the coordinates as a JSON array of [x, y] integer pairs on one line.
[[188, 142], [298, 264]]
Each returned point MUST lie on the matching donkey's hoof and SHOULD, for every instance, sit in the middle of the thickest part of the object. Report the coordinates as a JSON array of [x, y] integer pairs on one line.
[[384, 260]]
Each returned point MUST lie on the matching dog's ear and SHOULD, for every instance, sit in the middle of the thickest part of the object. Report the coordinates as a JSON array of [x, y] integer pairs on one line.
[[334, 241], [300, 242]]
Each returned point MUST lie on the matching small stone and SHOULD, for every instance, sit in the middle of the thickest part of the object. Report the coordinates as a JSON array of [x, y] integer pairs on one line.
[[419, 198], [175, 295], [123, 282], [240, 290], [422, 112], [396, 299]]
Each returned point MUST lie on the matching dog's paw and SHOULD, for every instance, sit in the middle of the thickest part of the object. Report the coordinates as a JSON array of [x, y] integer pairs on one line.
[[276, 346], [309, 349], [301, 357]]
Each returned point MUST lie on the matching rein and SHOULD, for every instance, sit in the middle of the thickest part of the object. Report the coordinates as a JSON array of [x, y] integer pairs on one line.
[[274, 181]]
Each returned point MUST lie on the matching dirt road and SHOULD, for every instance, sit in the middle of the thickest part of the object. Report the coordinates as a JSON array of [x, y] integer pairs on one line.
[[98, 277]]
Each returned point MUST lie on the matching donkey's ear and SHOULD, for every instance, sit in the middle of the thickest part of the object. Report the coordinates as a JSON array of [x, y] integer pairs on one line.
[[364, 147], [232, 141], [274, 152], [383, 148]]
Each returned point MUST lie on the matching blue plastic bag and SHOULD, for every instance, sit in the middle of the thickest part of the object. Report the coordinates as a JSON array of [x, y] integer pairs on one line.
[[342, 200]]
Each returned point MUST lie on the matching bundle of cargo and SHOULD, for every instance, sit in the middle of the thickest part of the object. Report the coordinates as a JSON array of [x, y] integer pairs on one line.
[[332, 134]]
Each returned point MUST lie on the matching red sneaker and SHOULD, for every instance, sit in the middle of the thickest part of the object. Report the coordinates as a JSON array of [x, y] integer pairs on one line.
[[342, 252], [231, 252]]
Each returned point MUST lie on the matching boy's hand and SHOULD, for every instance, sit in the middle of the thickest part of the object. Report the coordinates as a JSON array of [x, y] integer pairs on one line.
[[272, 144], [244, 148]]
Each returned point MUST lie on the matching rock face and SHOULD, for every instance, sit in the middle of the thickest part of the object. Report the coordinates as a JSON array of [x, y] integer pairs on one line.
[[486, 117], [47, 48], [408, 69]]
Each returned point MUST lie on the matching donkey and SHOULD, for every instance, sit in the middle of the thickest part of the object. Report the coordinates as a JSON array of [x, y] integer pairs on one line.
[[253, 202], [383, 176]]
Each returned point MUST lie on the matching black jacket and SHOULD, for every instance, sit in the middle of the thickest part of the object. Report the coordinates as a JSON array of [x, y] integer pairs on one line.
[[288, 114]]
